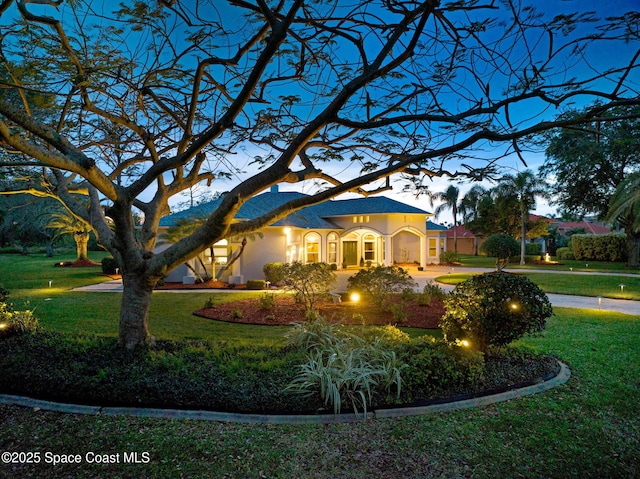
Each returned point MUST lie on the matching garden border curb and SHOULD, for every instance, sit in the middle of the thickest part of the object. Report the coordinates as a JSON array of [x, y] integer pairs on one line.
[[559, 379]]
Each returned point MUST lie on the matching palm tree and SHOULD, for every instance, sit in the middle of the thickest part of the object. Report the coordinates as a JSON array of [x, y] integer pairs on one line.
[[470, 208], [449, 201], [67, 223], [624, 208], [525, 187]]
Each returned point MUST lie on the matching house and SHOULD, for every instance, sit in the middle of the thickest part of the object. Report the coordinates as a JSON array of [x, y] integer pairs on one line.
[[588, 227], [374, 230]]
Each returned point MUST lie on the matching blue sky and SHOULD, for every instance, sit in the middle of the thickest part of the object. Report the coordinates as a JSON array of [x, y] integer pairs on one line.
[[615, 55]]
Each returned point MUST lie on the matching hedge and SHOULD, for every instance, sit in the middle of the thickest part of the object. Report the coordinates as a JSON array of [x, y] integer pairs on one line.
[[564, 253], [609, 247]]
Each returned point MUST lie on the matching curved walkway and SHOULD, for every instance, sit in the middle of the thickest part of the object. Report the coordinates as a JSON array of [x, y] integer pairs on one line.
[[482, 400]]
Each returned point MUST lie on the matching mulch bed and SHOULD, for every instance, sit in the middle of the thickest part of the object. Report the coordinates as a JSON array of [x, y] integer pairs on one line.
[[211, 284], [287, 311], [79, 263]]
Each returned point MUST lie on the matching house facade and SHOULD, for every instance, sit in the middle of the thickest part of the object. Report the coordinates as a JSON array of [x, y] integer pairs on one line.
[[347, 233]]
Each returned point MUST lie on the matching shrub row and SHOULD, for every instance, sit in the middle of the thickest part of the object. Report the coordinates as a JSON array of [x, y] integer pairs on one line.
[[610, 247]]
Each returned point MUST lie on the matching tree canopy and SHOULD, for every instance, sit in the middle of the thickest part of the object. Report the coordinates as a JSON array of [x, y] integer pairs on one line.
[[141, 101]]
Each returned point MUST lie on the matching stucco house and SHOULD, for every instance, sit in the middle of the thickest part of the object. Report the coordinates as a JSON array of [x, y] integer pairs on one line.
[[345, 232]]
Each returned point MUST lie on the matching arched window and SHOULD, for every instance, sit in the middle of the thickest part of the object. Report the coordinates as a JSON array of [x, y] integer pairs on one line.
[[312, 247]]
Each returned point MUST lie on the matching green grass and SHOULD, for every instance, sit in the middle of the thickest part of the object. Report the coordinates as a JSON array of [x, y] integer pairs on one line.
[[572, 284], [35, 271], [481, 261], [588, 428]]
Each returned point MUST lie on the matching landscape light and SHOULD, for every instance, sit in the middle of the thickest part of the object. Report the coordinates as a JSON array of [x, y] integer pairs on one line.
[[50, 281], [355, 297], [621, 288], [465, 343]]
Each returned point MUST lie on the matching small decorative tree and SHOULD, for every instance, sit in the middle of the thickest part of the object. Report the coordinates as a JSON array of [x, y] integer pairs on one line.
[[494, 309], [502, 247], [309, 281], [377, 283]]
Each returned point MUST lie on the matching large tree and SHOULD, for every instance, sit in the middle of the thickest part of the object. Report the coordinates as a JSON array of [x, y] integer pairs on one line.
[[157, 97], [624, 207], [449, 201], [590, 164], [522, 189]]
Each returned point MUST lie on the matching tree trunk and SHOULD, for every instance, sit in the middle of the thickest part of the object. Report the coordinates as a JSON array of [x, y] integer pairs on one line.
[[134, 311], [633, 249], [523, 235], [82, 242]]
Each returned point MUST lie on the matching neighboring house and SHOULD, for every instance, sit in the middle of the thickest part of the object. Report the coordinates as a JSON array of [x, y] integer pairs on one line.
[[377, 229], [467, 241], [588, 227], [433, 230]]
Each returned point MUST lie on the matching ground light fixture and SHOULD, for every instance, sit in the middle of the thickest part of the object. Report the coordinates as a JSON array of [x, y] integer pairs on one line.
[[621, 288], [354, 297]]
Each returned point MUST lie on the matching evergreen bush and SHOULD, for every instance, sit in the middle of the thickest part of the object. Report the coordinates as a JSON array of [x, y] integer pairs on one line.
[[502, 247], [494, 309], [610, 247]]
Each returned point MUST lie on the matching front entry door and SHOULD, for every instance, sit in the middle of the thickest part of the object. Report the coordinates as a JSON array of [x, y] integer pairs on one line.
[[350, 249]]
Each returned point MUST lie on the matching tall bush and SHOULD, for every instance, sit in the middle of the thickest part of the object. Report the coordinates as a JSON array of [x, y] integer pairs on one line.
[[502, 247], [311, 282], [494, 309], [379, 282], [610, 247], [273, 273]]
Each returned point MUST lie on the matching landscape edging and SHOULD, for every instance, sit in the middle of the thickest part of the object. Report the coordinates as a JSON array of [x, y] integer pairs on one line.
[[559, 379]]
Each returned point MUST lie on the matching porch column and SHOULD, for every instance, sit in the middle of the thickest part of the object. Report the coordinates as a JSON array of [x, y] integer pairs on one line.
[[388, 250], [423, 251]]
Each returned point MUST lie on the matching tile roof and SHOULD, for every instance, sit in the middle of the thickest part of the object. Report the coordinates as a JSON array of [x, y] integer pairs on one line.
[[435, 226], [315, 216], [589, 228]]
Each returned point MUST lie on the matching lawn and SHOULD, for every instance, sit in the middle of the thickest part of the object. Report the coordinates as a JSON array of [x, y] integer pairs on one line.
[[482, 261], [572, 284], [588, 428]]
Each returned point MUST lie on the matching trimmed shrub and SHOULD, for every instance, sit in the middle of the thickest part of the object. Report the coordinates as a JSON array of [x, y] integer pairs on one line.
[[379, 282], [564, 254], [532, 258], [448, 257], [610, 247], [502, 247], [109, 265], [256, 284], [434, 367], [273, 273], [310, 282], [533, 249], [430, 292], [494, 309]]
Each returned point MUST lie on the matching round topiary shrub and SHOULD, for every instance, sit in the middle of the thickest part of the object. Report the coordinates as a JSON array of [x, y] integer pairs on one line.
[[109, 265], [494, 309], [502, 247]]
